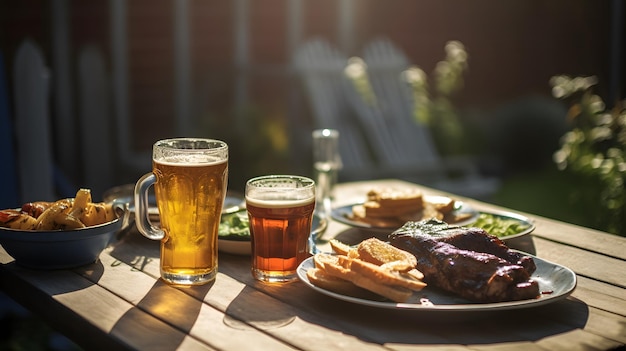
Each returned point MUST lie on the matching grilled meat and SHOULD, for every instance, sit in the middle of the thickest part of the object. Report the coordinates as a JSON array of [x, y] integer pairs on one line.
[[474, 275], [477, 239]]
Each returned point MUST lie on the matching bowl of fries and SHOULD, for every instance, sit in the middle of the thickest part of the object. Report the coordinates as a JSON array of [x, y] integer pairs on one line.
[[63, 234]]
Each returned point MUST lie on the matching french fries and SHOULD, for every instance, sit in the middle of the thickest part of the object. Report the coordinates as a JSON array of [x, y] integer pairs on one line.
[[65, 214], [372, 267]]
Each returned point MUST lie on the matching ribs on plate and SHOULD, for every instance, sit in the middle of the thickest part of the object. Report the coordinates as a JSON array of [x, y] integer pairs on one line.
[[467, 261]]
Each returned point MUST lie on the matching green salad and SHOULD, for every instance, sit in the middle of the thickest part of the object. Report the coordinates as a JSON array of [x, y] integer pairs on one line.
[[500, 226], [235, 226]]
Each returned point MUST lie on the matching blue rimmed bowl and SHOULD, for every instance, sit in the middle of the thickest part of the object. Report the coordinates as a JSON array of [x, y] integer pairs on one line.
[[58, 249]]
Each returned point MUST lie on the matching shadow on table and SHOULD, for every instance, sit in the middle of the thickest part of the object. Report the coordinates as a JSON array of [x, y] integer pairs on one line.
[[257, 309], [134, 249], [144, 322], [180, 306]]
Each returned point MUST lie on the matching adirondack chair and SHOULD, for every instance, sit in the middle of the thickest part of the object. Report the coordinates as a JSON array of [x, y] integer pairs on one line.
[[39, 177], [320, 68], [97, 147], [384, 65], [414, 145], [8, 176], [32, 125]]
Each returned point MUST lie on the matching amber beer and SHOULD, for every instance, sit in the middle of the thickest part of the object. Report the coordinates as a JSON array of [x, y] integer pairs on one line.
[[280, 224], [190, 182], [186, 197]]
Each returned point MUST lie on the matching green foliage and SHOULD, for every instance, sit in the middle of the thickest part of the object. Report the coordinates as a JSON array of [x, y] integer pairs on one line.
[[594, 148], [433, 104], [356, 71]]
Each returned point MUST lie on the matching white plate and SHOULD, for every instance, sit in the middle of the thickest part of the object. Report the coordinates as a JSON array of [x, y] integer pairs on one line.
[[555, 283], [234, 247], [243, 247], [342, 214]]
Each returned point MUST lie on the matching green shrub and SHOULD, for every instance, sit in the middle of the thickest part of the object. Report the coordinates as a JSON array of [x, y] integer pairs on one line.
[[594, 149]]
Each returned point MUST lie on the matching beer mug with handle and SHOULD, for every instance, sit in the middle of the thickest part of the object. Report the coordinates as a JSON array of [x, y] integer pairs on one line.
[[190, 179]]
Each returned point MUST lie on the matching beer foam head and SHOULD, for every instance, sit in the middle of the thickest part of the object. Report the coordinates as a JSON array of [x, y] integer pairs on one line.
[[279, 203], [280, 189], [189, 159], [190, 151]]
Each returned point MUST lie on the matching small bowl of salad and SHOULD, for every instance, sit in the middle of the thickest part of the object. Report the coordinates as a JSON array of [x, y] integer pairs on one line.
[[234, 233], [509, 227], [505, 225]]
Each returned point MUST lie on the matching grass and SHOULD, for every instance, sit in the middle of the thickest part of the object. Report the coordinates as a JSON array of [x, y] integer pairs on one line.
[[549, 193]]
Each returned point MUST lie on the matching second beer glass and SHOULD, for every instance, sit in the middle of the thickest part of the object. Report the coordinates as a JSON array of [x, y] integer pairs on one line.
[[280, 208]]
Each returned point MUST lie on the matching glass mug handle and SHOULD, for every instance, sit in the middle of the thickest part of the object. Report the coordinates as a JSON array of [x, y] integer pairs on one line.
[[142, 216]]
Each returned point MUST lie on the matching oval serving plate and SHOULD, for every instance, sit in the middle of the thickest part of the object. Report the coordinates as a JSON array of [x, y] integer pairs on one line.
[[556, 282], [240, 245], [342, 214]]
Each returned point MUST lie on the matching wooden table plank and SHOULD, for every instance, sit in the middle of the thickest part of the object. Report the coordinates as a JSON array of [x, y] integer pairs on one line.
[[600, 295], [607, 324], [578, 340], [512, 346], [589, 264], [89, 307], [592, 240]]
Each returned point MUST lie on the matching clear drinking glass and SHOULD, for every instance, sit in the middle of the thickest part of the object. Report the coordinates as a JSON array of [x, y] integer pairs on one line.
[[327, 163], [190, 179], [280, 209]]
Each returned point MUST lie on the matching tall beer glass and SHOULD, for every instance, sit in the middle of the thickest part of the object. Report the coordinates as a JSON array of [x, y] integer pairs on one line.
[[280, 209], [190, 178]]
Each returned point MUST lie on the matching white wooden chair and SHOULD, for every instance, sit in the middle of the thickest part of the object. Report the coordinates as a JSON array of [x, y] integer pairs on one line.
[[320, 68], [8, 176], [97, 144], [32, 124], [385, 65], [415, 150], [39, 177]]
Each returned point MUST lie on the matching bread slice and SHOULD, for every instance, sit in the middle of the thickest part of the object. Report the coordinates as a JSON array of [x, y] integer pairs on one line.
[[442, 204], [429, 211], [393, 293], [379, 210], [380, 275], [359, 214], [396, 196], [320, 278], [378, 252], [342, 248], [321, 260], [339, 267]]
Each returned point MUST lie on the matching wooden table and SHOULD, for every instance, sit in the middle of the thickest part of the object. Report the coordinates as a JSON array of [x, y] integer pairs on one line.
[[119, 302]]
